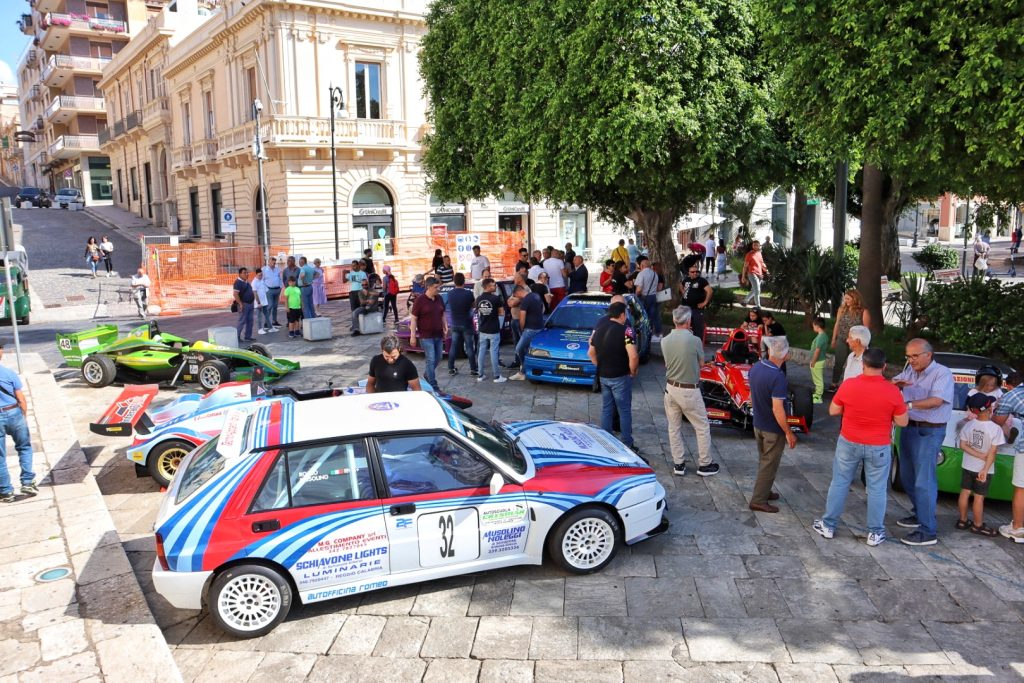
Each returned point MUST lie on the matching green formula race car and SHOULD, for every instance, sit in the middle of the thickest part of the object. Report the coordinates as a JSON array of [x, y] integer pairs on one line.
[[145, 355]]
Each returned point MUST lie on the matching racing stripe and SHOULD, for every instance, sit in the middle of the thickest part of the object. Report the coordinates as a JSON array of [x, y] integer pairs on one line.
[[550, 456], [517, 428], [613, 493]]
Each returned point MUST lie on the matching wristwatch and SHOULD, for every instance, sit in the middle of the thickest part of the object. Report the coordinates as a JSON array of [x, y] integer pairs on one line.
[[910, 405]]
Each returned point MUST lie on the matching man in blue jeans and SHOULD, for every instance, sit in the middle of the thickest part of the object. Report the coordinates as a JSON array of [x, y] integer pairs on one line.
[[460, 303], [531, 322], [928, 392], [869, 406], [646, 287], [13, 409], [244, 297], [429, 325], [306, 275], [613, 351]]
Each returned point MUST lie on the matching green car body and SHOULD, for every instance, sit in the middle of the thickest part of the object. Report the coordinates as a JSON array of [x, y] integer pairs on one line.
[[146, 355], [19, 286], [949, 460]]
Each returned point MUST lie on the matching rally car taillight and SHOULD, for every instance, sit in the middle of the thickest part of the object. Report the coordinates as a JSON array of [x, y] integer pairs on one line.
[[160, 556]]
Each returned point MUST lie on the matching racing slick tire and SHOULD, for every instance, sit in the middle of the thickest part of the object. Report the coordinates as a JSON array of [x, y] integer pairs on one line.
[[803, 404], [212, 373], [98, 371], [585, 540], [164, 459], [894, 474], [249, 600], [260, 349]]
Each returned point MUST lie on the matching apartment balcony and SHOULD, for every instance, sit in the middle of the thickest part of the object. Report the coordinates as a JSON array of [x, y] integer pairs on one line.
[[44, 6], [25, 24], [204, 152], [60, 69], [70, 146], [181, 157], [63, 108], [132, 121], [156, 112], [104, 136], [304, 132], [58, 27], [118, 129], [35, 92]]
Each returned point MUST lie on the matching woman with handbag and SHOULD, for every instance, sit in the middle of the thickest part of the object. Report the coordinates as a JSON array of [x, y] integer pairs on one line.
[[93, 254]]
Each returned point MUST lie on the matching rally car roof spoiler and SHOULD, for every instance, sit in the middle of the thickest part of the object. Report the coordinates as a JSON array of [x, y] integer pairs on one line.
[[126, 412]]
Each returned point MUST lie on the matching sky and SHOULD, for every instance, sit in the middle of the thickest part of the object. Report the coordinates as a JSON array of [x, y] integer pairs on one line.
[[12, 40]]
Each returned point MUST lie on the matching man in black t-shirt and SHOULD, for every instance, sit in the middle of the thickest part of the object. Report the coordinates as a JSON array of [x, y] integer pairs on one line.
[[460, 303], [243, 297], [390, 370], [696, 293], [613, 351], [490, 311], [541, 288], [524, 260], [531, 322]]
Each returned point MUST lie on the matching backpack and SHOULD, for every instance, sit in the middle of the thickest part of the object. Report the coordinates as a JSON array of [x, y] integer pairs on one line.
[[392, 285]]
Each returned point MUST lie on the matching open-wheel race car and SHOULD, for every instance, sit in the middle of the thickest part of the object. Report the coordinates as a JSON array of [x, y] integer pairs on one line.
[[726, 390]]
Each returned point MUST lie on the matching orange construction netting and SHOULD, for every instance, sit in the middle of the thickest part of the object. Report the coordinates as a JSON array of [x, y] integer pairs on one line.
[[198, 275]]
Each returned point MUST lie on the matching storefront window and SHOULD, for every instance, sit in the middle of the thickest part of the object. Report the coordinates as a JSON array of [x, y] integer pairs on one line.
[[372, 218], [572, 226], [100, 182], [451, 215]]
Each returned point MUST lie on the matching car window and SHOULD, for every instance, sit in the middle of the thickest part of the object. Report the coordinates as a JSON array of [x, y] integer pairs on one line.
[[207, 462], [492, 440], [317, 475], [577, 316], [426, 463]]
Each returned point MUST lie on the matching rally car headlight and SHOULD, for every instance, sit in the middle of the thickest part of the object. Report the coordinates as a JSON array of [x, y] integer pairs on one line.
[[540, 353]]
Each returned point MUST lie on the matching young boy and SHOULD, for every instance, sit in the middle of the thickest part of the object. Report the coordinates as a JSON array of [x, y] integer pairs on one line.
[[293, 295], [978, 440], [819, 347]]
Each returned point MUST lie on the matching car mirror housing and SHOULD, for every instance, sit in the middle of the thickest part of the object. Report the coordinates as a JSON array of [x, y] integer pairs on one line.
[[497, 481]]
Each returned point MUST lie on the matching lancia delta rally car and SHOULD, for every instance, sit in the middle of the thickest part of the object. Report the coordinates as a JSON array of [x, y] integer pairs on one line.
[[289, 502]]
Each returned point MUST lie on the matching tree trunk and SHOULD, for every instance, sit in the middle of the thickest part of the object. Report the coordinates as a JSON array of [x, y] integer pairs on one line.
[[893, 204], [869, 273], [659, 226], [800, 217]]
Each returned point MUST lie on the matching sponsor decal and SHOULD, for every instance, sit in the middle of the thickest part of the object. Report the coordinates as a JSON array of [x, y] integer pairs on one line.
[[499, 516], [504, 540], [333, 568], [383, 405], [335, 545], [573, 346], [338, 592], [403, 523]]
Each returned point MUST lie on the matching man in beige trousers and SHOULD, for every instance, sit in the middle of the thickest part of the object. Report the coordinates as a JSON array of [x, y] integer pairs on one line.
[[684, 353]]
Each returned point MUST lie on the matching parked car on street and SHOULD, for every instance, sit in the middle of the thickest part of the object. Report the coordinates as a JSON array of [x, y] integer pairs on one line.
[[68, 195], [37, 196]]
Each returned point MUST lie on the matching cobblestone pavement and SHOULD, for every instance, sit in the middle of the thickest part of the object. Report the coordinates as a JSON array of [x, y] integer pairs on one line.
[[726, 594]]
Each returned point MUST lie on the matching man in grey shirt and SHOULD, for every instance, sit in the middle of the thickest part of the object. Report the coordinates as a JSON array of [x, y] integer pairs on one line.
[[684, 354], [646, 286]]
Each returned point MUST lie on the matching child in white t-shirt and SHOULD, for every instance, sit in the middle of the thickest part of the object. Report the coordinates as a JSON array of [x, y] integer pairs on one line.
[[979, 440]]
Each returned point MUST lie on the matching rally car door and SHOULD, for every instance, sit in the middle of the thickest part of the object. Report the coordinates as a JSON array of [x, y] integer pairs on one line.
[[440, 510], [318, 514]]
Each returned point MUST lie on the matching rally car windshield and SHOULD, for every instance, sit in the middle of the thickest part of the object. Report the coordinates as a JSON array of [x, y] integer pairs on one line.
[[206, 463], [492, 441], [577, 316]]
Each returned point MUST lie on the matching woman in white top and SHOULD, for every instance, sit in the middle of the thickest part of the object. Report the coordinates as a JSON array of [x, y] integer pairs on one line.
[[107, 247]]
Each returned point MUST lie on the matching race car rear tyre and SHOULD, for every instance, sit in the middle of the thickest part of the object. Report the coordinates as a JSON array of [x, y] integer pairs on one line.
[[894, 474], [803, 404], [212, 373], [165, 458], [261, 349], [585, 540], [98, 371], [249, 600]]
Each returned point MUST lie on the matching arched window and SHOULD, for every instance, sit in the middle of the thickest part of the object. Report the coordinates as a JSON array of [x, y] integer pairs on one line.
[[372, 217]]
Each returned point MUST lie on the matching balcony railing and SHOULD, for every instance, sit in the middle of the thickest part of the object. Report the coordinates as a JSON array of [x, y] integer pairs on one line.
[[104, 136], [76, 103], [204, 151], [156, 109], [73, 63], [119, 128], [182, 156], [25, 24], [83, 21], [74, 143], [300, 131]]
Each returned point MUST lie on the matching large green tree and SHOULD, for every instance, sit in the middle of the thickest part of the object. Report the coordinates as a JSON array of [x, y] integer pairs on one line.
[[924, 91], [637, 109]]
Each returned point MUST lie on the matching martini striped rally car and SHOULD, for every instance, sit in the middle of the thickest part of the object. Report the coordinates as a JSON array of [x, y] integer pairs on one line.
[[334, 497]]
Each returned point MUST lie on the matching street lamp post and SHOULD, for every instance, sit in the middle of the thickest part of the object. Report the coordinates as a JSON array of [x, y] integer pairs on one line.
[[257, 148], [337, 103]]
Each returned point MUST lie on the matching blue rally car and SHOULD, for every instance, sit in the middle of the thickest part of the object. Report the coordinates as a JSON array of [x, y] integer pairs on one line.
[[559, 352]]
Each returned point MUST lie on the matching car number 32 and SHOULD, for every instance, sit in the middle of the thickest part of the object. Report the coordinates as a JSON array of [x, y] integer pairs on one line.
[[449, 537]]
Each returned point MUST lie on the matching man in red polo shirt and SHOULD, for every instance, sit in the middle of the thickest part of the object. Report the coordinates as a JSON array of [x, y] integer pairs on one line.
[[870, 406]]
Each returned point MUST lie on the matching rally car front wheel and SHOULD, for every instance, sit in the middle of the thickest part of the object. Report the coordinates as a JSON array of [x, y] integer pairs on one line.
[[585, 540], [165, 458], [249, 600]]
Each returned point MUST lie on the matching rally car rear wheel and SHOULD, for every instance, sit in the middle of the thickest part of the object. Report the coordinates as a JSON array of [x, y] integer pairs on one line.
[[585, 540], [98, 371], [249, 600], [213, 373], [165, 458]]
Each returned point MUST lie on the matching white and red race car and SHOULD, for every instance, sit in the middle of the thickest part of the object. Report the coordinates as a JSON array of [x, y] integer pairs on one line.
[[321, 499]]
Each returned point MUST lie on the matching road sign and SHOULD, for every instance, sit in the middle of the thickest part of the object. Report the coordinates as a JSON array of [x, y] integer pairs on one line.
[[227, 221], [67, 174], [464, 244]]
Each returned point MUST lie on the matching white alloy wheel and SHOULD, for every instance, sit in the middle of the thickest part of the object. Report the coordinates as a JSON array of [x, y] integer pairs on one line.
[[588, 543], [249, 602]]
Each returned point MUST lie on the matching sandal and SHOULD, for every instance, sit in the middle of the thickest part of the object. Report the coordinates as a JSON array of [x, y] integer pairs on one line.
[[963, 524], [983, 530]]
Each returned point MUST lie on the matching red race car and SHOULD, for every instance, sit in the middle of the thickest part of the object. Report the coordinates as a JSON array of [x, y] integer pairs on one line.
[[726, 391]]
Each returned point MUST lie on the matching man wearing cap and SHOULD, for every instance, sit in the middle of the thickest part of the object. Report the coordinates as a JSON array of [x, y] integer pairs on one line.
[[13, 409], [928, 393], [869, 406]]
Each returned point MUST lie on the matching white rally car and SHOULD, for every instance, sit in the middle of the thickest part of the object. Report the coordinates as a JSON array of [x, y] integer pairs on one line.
[[337, 496]]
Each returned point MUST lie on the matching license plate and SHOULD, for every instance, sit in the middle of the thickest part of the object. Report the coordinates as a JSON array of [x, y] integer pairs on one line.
[[569, 368]]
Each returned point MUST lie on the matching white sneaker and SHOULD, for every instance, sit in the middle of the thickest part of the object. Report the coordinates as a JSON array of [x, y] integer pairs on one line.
[[518, 377], [480, 379], [109, 274], [498, 380], [261, 331], [876, 538], [1015, 535], [277, 328], [823, 530]]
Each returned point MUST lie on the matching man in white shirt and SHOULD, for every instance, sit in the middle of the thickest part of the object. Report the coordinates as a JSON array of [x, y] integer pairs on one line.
[[859, 338], [140, 284], [554, 266], [478, 263], [709, 255], [262, 304], [272, 276]]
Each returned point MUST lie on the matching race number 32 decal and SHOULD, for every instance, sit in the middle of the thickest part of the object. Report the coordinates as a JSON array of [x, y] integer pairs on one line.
[[449, 537]]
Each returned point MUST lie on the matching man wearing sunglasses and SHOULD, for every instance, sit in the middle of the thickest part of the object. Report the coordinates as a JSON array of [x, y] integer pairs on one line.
[[696, 293], [928, 392]]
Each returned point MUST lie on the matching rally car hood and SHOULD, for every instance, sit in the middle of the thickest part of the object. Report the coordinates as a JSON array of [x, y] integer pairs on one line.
[[550, 444], [563, 343]]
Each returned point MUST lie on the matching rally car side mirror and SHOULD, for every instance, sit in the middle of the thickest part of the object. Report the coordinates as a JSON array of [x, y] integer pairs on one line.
[[497, 481]]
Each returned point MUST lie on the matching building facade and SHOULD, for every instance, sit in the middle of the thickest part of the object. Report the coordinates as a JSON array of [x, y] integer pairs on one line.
[[71, 42], [10, 124]]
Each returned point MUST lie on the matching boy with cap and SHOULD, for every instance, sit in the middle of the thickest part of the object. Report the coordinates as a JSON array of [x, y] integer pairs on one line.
[[978, 440]]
